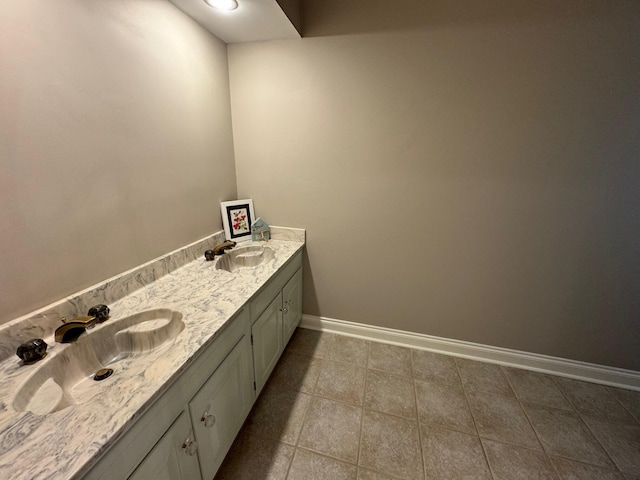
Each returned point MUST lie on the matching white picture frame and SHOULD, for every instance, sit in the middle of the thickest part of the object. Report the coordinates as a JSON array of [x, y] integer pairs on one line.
[[237, 217]]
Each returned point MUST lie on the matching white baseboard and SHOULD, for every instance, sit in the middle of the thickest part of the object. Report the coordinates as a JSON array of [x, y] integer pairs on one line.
[[563, 367]]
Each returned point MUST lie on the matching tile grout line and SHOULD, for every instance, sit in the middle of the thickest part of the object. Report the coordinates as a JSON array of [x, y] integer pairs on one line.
[[366, 379], [415, 404], [304, 419], [564, 394], [535, 432], [607, 389], [589, 429], [604, 449], [473, 419]]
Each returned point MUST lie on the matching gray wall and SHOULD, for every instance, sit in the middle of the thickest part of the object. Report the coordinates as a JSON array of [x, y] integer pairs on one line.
[[464, 169], [115, 142]]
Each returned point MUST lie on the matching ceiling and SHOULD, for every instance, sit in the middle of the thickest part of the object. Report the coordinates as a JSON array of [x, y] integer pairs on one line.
[[252, 21]]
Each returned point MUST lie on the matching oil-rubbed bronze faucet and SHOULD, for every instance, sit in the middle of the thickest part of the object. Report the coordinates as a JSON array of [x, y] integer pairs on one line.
[[219, 249], [70, 331]]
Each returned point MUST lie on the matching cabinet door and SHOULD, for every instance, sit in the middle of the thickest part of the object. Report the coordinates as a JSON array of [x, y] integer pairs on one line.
[[174, 457], [292, 304], [220, 407], [267, 341]]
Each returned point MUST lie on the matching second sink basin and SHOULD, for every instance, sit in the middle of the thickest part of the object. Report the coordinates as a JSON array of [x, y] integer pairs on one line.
[[249, 256], [68, 377]]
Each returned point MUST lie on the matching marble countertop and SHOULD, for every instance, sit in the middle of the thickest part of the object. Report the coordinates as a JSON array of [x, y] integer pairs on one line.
[[65, 443]]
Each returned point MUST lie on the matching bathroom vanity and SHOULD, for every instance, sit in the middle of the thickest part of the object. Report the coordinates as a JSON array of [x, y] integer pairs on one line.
[[175, 412]]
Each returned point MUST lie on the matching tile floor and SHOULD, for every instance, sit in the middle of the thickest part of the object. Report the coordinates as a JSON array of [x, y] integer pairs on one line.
[[338, 408]]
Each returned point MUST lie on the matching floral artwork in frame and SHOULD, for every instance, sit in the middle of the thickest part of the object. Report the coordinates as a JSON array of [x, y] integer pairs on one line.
[[237, 217]]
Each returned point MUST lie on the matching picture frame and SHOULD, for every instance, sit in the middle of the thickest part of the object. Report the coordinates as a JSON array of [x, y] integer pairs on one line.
[[237, 217]]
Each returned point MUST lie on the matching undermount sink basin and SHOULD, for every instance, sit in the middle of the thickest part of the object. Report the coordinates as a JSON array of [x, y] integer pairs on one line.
[[68, 379], [245, 257]]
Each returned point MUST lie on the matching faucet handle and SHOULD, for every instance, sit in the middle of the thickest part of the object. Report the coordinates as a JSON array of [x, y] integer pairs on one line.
[[101, 312], [32, 351]]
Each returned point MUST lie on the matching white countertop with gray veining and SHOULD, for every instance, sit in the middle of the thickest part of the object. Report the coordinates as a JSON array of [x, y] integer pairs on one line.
[[64, 443]]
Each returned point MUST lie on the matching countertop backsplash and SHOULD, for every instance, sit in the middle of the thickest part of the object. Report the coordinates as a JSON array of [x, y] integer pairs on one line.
[[43, 322]]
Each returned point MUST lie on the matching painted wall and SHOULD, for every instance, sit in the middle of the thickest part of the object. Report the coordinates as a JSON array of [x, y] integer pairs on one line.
[[464, 169], [115, 142]]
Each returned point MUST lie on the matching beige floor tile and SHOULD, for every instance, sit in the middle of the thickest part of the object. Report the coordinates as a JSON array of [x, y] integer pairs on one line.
[[621, 441], [390, 394], [483, 377], [332, 428], [278, 413], [252, 457], [629, 399], [449, 454], [536, 388], [353, 351], [364, 474], [390, 358], [341, 382], [590, 428], [571, 470], [311, 342], [307, 465], [429, 366], [593, 400], [444, 406], [391, 445], [502, 419], [563, 433], [296, 372], [508, 462]]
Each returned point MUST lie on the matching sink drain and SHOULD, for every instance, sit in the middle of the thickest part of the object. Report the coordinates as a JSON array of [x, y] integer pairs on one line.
[[102, 374]]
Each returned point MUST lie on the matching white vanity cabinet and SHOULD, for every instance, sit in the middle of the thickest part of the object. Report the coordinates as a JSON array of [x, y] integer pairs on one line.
[[174, 457], [275, 313], [188, 430]]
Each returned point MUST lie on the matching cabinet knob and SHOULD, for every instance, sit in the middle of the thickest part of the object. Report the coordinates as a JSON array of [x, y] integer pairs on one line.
[[284, 310], [190, 447], [208, 420]]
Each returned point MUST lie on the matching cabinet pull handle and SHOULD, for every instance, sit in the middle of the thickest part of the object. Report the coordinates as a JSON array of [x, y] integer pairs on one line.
[[190, 447], [284, 310], [208, 420]]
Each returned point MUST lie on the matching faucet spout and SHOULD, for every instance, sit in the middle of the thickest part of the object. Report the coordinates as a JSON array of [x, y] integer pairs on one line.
[[70, 331], [219, 249]]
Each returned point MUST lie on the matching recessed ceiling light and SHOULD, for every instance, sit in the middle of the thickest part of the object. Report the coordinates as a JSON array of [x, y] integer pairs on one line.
[[222, 4]]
